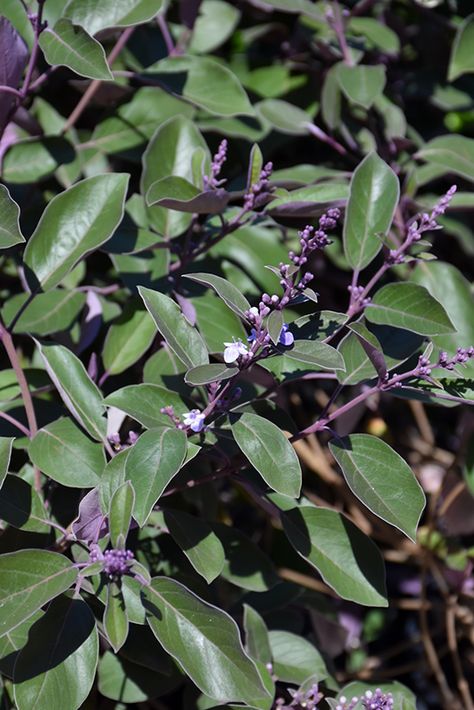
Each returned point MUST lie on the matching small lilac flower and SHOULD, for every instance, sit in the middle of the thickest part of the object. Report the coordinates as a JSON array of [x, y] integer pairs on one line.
[[286, 338], [234, 350], [252, 336], [377, 700], [194, 420]]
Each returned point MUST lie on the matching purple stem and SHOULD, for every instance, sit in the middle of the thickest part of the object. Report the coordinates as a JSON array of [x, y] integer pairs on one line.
[[38, 27], [324, 138], [16, 423], [166, 35]]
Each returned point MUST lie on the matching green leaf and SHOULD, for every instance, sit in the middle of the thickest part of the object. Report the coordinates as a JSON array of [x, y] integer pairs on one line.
[[204, 374], [246, 565], [381, 479], [346, 559], [308, 201], [315, 353], [33, 159], [197, 540], [156, 457], [21, 506], [255, 166], [178, 194], [10, 231], [284, 117], [66, 455], [216, 323], [127, 682], [144, 402], [112, 13], [200, 637], [169, 153], [29, 579], [48, 313], [71, 46], [120, 515], [374, 194], [75, 223], [447, 284], [274, 325], [231, 295], [295, 659], [462, 60], [409, 306], [403, 698], [361, 84], [213, 87], [214, 25], [257, 643], [6, 444], [115, 617], [57, 666], [137, 120], [79, 393], [182, 338], [128, 338], [270, 452], [13, 642], [378, 34], [453, 154]]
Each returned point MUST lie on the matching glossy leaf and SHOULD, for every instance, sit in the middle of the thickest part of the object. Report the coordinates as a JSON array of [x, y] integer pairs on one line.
[[257, 643], [461, 60], [294, 658], [201, 636], [128, 338], [215, 88], [79, 393], [197, 540], [270, 452], [214, 25], [346, 559], [361, 84], [120, 514], [6, 444], [169, 153], [246, 565], [373, 198], [71, 46], [126, 682], [284, 116], [61, 653], [48, 313], [115, 617], [66, 455], [34, 159], [156, 457], [10, 232], [176, 193], [182, 338], [21, 506], [409, 306], [450, 153], [144, 402], [204, 374], [112, 13], [29, 579], [231, 295], [381, 479], [75, 223], [15, 57]]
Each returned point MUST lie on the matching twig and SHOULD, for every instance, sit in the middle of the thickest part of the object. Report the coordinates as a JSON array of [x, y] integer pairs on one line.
[[16, 423], [38, 28], [162, 24], [94, 85]]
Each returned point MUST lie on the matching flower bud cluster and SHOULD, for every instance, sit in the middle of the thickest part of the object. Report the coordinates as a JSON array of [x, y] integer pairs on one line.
[[311, 238], [115, 563], [425, 223], [371, 700], [211, 182], [259, 188], [462, 356], [356, 295], [169, 411], [116, 441], [307, 699]]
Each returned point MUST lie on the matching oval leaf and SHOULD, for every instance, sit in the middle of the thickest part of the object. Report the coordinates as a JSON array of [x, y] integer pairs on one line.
[[381, 479], [200, 636], [112, 13], [409, 306], [71, 46], [374, 194], [29, 579], [75, 223], [346, 559], [10, 232], [270, 452]]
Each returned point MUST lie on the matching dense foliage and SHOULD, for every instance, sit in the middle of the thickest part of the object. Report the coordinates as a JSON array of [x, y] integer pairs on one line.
[[236, 447]]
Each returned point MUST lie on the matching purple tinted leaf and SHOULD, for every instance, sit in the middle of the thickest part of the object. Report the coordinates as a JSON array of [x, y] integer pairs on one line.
[[92, 321], [187, 308], [372, 348], [90, 524], [188, 12], [14, 56]]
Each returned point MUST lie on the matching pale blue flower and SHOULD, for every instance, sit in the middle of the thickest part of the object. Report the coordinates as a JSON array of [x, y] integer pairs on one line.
[[194, 420], [234, 350]]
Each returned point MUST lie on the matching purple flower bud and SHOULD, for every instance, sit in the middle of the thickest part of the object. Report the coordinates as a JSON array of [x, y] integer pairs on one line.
[[117, 562]]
